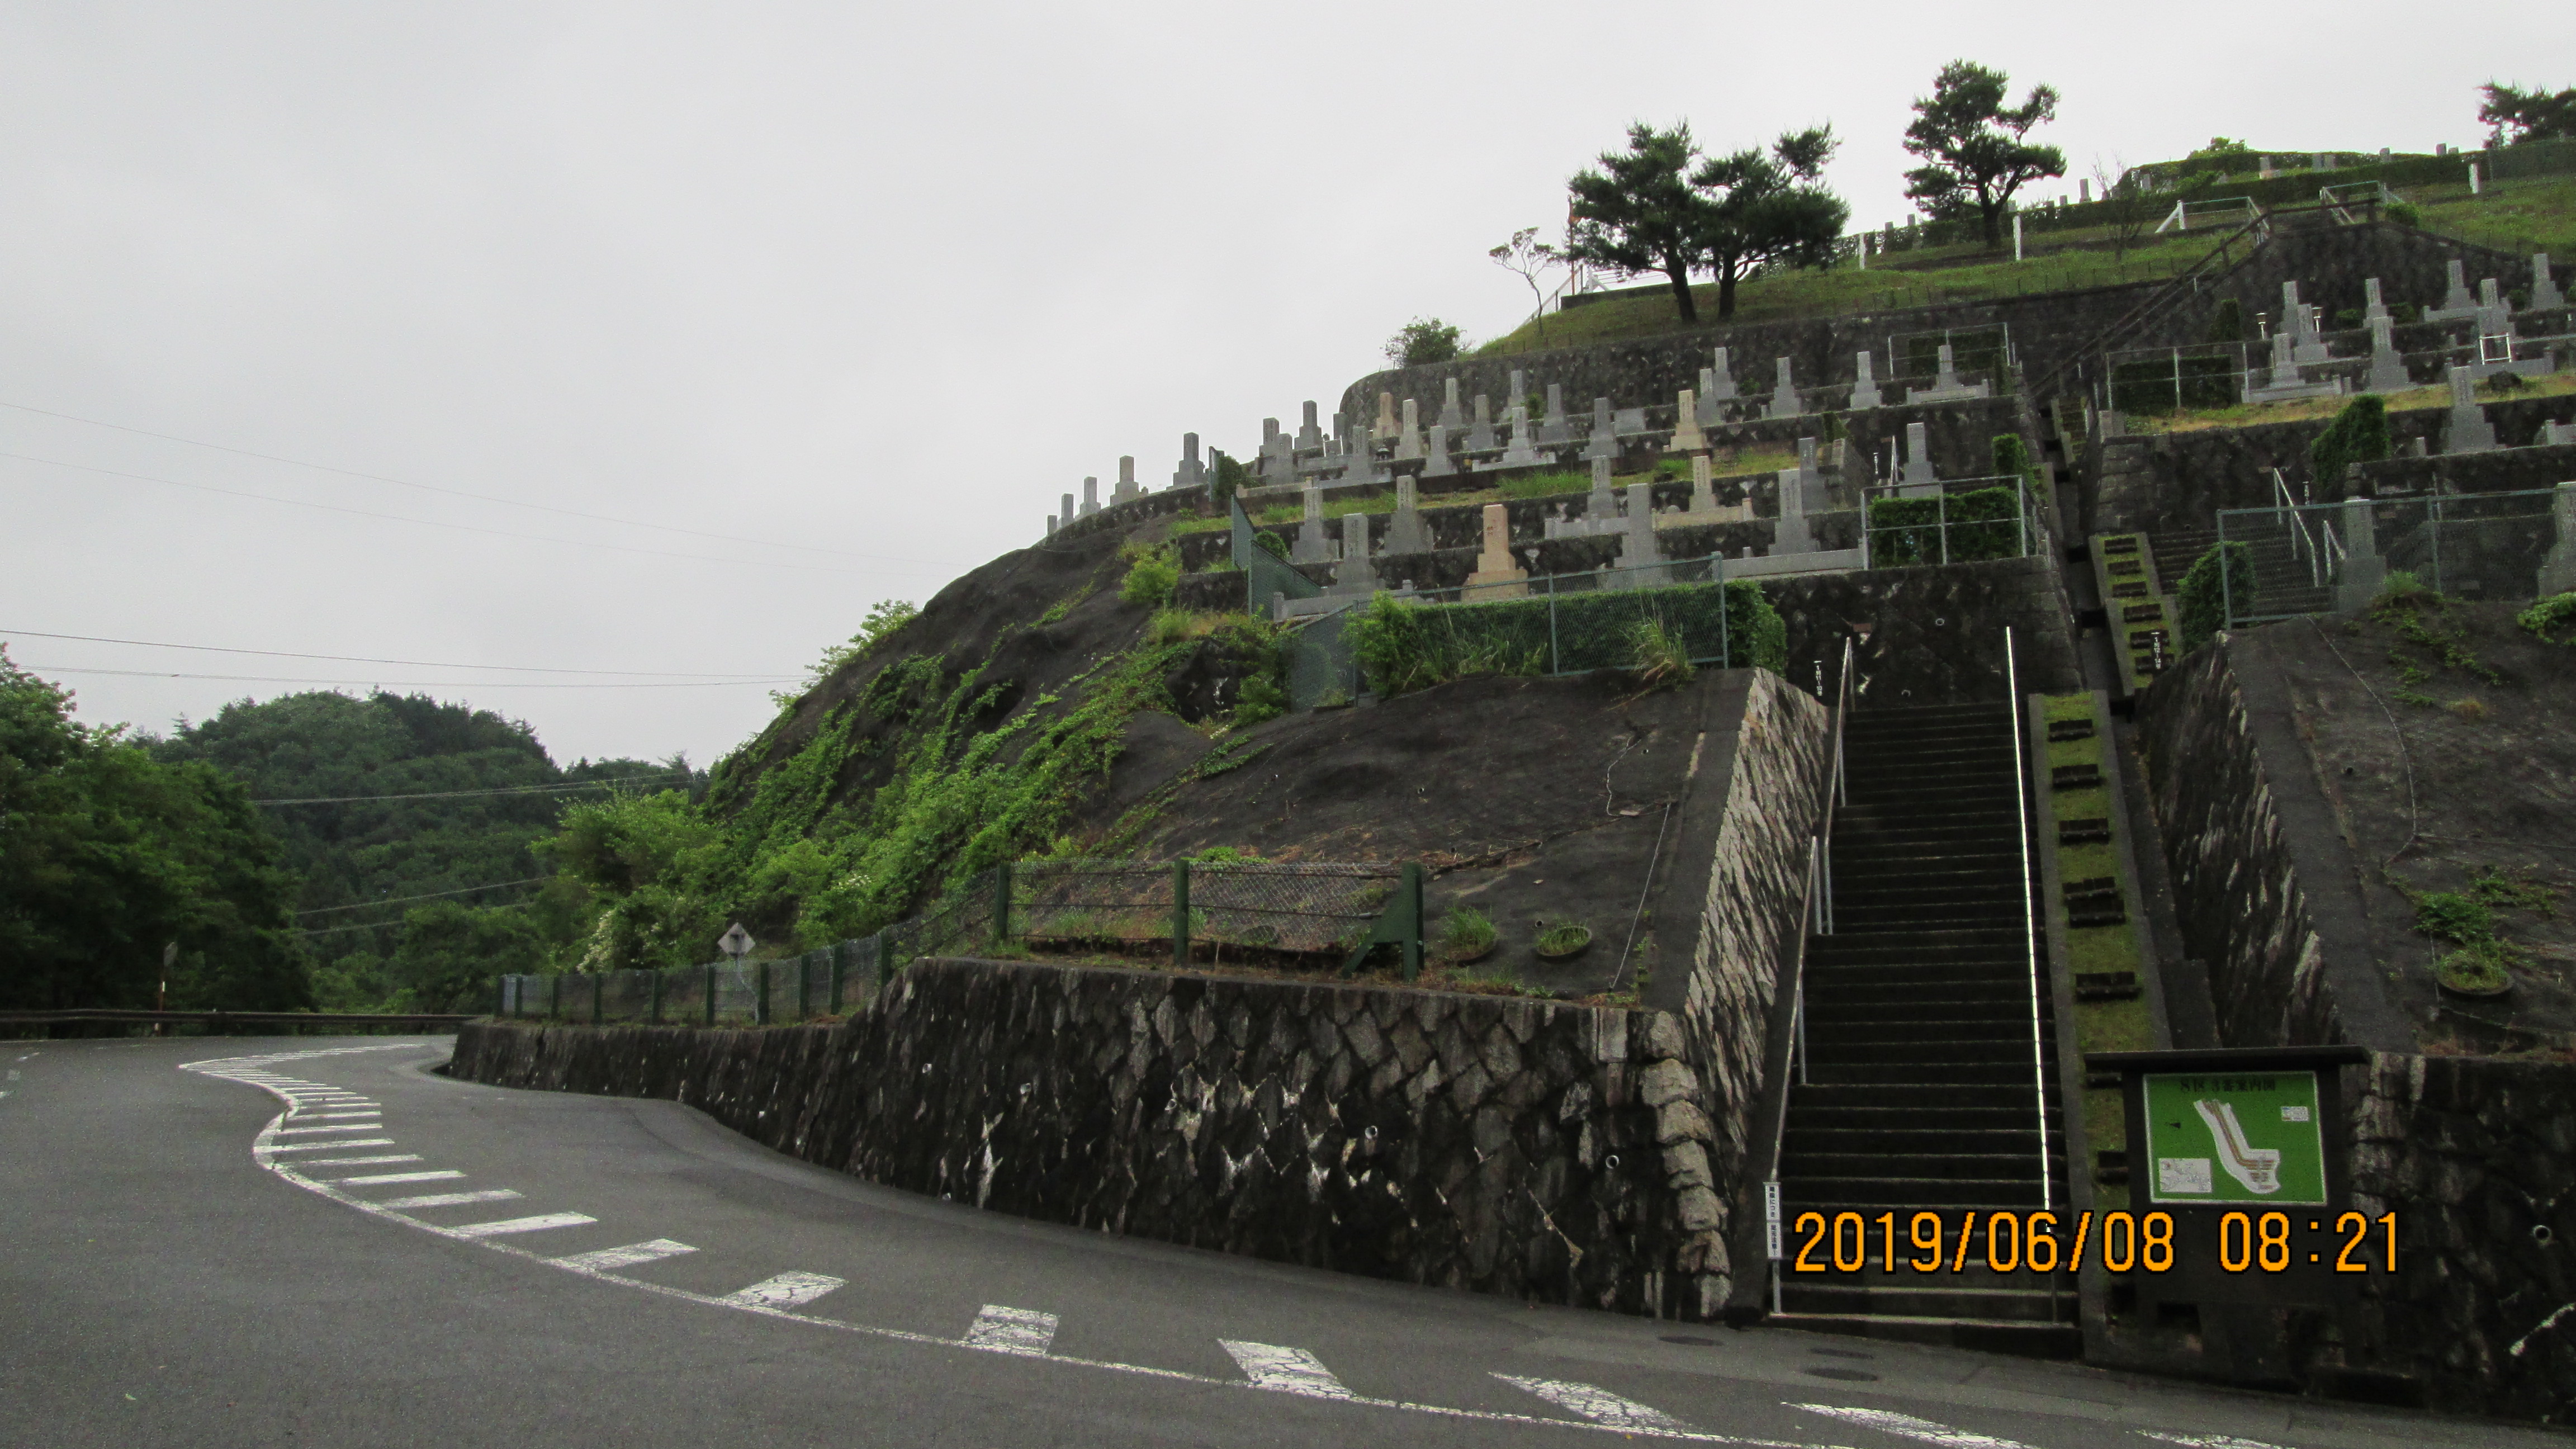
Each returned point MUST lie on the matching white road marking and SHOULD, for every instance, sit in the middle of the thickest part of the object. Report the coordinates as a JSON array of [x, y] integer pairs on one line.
[[448, 1199], [787, 1290], [1906, 1426], [377, 1126], [537, 1223], [376, 1112], [1011, 1330], [1287, 1370], [322, 1187], [362, 1161], [1597, 1404], [331, 1146], [434, 1176], [628, 1256], [2209, 1441]]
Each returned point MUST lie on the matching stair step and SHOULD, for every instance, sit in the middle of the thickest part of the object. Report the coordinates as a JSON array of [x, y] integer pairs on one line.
[[1988, 1304], [2015, 1194]]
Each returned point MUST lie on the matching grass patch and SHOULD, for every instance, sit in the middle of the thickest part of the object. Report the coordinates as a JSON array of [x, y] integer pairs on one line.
[[2246, 415]]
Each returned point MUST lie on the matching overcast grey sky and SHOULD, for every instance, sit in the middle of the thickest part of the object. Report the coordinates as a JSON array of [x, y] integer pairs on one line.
[[867, 286]]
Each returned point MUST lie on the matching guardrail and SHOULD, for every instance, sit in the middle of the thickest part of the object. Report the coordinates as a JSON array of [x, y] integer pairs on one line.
[[233, 1018]]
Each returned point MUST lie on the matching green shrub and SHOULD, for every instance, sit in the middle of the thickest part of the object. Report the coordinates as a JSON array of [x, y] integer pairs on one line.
[[2403, 213], [1466, 932], [1404, 646], [1152, 577], [2228, 323], [2012, 459], [2459, 919], [2359, 434], [2205, 593], [1422, 341], [1260, 701], [1271, 543], [2550, 616], [1982, 525], [1656, 655], [1564, 938], [1226, 477]]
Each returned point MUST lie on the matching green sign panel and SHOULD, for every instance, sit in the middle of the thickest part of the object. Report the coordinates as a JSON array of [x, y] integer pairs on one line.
[[2234, 1137]]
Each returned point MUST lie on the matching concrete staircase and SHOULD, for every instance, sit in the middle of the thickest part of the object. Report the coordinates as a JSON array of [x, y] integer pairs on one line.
[[2283, 581], [1919, 1088]]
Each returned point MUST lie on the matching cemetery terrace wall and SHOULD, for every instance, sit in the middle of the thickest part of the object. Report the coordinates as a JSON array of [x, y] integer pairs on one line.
[[1931, 634], [2170, 481], [2263, 884], [1497, 1144]]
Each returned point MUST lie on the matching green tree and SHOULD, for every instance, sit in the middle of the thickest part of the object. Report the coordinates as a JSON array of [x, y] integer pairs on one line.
[[2227, 324], [1975, 148], [2218, 581], [2359, 434], [450, 954], [2513, 115], [1639, 213], [1768, 208], [1530, 259], [1421, 342], [109, 855]]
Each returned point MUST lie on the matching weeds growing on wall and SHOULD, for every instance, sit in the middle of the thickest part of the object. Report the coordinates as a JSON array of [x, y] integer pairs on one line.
[[1152, 574], [2205, 592], [2359, 434], [2414, 611], [1657, 655], [2551, 621]]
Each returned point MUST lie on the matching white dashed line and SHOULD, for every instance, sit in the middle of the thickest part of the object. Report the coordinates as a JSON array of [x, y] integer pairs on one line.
[[1011, 1330], [362, 1161], [433, 1175], [1597, 1404], [1906, 1426], [2209, 1441], [330, 1146], [626, 1257], [375, 1112], [1288, 1370], [787, 1290], [534, 1223], [338, 1127], [448, 1199]]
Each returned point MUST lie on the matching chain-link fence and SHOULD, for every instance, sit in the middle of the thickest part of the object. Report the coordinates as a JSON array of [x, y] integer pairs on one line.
[[1266, 574], [1578, 622], [2336, 557], [1966, 519], [2209, 376], [1294, 914], [1978, 357]]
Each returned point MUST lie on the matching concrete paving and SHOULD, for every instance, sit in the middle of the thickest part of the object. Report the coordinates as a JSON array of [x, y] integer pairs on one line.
[[319, 1241]]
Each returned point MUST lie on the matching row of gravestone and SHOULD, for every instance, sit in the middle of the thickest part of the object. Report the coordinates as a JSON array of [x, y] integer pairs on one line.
[[2299, 346], [1309, 458]]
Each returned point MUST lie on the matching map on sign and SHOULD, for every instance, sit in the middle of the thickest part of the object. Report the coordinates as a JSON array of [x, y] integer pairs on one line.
[[2234, 1137]]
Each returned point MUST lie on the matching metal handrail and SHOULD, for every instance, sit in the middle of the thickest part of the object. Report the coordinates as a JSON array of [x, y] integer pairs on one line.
[[2029, 912]]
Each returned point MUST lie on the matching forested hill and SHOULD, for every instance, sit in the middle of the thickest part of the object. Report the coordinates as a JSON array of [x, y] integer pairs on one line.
[[407, 810]]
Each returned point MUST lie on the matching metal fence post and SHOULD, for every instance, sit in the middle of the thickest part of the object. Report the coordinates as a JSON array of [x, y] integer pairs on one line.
[[1180, 913], [805, 986], [1002, 904], [711, 993], [760, 996], [501, 996], [1725, 649], [598, 997], [654, 1012], [1555, 660], [1413, 919], [554, 997]]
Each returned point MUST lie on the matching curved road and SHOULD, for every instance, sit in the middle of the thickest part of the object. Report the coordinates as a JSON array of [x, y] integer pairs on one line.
[[235, 1242]]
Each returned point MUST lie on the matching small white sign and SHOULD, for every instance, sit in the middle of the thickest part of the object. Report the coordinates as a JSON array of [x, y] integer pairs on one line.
[[2294, 1114], [1771, 1219], [2182, 1174]]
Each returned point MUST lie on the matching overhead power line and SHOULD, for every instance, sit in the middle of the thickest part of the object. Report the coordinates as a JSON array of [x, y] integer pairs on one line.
[[434, 523], [358, 658], [426, 896], [462, 794], [408, 683], [436, 488]]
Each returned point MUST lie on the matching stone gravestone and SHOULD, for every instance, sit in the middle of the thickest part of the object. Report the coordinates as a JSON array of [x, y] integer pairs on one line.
[[1404, 531], [1721, 387], [2558, 569], [1310, 438], [2468, 430], [1792, 535], [2373, 305], [1520, 392], [1090, 496], [1917, 481], [1127, 485], [1553, 430], [1707, 404], [2457, 304], [2364, 572], [1452, 417], [1408, 443], [2307, 344], [1385, 416], [1784, 395], [1687, 437], [1865, 393], [1192, 473], [1946, 384], [1605, 437], [1050, 532], [1435, 453], [1480, 433], [1312, 546], [1518, 453], [1497, 575], [2387, 367], [1599, 506], [2555, 435], [1067, 515], [1628, 423], [1811, 479], [1359, 460], [2545, 296], [1641, 555], [1355, 575]]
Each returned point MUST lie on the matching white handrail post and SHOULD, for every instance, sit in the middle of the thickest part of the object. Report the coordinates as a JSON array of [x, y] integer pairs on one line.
[[2029, 913]]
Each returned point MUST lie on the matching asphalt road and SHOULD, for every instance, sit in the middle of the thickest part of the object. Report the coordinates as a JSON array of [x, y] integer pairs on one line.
[[321, 1243]]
